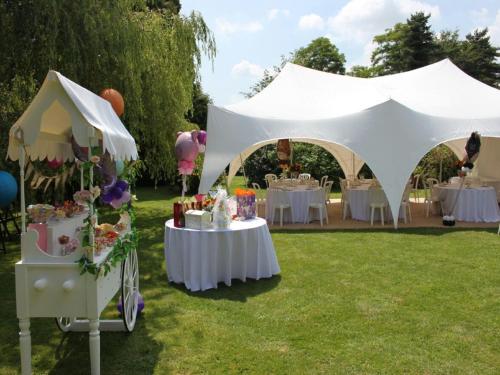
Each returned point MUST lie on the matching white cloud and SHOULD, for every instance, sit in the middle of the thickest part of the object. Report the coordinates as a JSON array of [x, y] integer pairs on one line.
[[274, 13], [361, 20], [480, 16], [494, 30], [311, 21], [245, 67], [227, 27]]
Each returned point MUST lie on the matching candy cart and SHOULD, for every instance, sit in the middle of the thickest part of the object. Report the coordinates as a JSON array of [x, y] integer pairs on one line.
[[50, 282]]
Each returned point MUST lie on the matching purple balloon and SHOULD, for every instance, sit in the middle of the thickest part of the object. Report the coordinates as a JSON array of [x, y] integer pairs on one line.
[[116, 192], [202, 137], [107, 197]]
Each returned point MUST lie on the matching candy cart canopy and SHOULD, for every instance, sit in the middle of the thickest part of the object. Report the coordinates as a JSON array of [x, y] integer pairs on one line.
[[63, 109], [390, 122]]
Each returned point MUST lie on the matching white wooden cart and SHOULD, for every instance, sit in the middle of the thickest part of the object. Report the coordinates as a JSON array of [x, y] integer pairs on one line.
[[47, 285]]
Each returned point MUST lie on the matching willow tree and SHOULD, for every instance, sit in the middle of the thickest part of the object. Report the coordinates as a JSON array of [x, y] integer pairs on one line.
[[152, 56]]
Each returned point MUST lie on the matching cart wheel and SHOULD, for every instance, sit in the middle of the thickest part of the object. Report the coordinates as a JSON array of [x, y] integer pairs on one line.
[[64, 324], [130, 290]]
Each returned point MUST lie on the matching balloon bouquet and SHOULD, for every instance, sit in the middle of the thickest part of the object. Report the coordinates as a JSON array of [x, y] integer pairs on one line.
[[187, 147]]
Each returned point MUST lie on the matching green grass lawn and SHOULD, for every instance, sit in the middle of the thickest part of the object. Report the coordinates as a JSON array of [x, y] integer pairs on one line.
[[423, 301]]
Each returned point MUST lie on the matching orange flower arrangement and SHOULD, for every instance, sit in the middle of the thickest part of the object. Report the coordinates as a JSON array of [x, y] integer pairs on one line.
[[244, 192]]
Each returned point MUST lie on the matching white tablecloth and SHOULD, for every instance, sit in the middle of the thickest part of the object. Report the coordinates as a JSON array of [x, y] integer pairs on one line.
[[202, 258], [359, 202], [478, 204], [299, 200]]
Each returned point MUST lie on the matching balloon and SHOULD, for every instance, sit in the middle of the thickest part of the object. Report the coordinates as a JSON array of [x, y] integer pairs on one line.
[[202, 137], [186, 151], [120, 167], [115, 98], [8, 189], [54, 163]]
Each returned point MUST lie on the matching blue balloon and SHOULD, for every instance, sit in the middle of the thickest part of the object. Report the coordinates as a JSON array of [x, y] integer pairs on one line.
[[8, 189], [120, 167]]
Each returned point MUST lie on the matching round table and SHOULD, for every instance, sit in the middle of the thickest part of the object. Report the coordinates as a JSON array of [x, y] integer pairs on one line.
[[475, 204], [202, 258], [359, 203], [299, 200]]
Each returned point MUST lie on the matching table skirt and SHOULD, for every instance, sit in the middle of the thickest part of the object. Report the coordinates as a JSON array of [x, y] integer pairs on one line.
[[202, 258]]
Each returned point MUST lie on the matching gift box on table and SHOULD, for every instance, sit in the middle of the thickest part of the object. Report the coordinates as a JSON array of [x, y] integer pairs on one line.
[[197, 219], [245, 200]]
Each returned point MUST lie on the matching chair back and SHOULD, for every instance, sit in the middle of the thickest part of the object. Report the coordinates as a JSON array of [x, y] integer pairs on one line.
[[269, 178], [377, 196], [416, 180], [278, 197], [255, 186], [406, 193], [328, 190], [343, 185], [304, 176], [323, 180]]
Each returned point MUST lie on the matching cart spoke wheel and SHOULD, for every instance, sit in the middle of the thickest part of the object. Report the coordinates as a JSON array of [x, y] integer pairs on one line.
[[130, 290], [64, 324]]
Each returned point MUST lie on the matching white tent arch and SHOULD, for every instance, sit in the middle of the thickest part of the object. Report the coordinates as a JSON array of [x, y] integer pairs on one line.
[[390, 122], [350, 163]]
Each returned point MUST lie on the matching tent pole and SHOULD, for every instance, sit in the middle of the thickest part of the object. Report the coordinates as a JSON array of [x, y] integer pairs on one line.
[[243, 168], [441, 169], [82, 183], [23, 198]]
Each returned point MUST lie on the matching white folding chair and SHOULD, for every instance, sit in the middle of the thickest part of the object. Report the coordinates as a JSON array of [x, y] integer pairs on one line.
[[259, 201], [405, 203], [430, 195], [416, 179], [323, 180], [279, 201], [304, 176], [269, 178], [377, 200], [318, 204], [328, 189], [344, 198]]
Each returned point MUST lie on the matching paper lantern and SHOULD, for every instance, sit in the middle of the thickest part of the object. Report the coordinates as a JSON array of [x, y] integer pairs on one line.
[[120, 167], [54, 163], [8, 189], [115, 98]]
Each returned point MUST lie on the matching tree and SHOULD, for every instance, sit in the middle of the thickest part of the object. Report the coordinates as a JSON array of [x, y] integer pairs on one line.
[[198, 114], [267, 78], [479, 58], [151, 56], [362, 71], [405, 47], [321, 55]]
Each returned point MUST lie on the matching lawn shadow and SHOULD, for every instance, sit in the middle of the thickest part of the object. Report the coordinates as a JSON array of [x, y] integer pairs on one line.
[[422, 231], [121, 353], [239, 291]]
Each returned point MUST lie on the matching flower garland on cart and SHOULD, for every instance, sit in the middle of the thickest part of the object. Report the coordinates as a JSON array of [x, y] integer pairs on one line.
[[121, 237]]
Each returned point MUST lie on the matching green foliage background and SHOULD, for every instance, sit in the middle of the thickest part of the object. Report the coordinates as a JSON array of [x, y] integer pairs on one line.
[[144, 49]]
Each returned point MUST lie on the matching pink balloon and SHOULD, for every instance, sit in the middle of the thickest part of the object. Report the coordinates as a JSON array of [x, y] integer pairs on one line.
[[185, 167], [117, 203]]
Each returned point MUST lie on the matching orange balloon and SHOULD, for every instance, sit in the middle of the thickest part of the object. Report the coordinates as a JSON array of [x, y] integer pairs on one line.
[[115, 98]]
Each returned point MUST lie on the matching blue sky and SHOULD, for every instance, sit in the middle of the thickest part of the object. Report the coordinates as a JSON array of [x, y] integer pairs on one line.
[[252, 35]]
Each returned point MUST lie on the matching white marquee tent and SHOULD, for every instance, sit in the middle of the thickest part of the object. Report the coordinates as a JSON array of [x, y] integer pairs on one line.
[[390, 122]]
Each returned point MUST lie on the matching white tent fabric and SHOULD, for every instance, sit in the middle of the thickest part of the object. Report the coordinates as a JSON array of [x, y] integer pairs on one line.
[[62, 109], [391, 122], [350, 163]]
